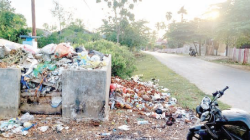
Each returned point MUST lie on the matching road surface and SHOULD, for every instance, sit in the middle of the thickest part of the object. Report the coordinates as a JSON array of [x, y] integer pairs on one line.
[[210, 77]]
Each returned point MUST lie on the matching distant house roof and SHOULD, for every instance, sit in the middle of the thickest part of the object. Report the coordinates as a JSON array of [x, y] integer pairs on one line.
[[161, 42]]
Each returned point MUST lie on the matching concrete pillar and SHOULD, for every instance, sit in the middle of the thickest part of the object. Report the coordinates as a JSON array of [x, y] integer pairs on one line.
[[85, 93], [9, 93]]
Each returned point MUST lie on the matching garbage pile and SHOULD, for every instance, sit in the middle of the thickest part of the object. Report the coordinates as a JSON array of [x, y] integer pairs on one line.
[[26, 124], [42, 72], [149, 99], [16, 126]]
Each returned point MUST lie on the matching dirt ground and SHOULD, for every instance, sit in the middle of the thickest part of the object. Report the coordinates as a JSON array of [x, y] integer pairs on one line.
[[78, 130]]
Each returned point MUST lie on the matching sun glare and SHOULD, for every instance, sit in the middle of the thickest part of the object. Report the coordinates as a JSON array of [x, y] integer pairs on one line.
[[214, 15]]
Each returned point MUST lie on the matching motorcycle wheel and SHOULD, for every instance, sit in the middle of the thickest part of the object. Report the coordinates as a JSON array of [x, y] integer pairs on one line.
[[190, 136]]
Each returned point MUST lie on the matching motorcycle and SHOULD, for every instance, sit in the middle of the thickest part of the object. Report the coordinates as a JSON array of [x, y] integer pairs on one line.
[[192, 52], [232, 124]]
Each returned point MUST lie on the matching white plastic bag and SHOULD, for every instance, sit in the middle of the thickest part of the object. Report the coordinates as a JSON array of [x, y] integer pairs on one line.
[[43, 128], [30, 49], [49, 49], [27, 117]]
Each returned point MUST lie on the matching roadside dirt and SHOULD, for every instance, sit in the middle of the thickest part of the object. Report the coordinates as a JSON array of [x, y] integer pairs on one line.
[[156, 129], [225, 61]]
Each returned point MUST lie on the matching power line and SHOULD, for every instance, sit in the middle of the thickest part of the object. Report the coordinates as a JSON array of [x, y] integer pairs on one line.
[[87, 4]]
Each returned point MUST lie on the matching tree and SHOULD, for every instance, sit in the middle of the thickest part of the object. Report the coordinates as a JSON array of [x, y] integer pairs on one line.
[[234, 23], [163, 26], [158, 26], [180, 33], [64, 17], [182, 11], [12, 25], [133, 35], [120, 11], [5, 6], [169, 16], [73, 32], [51, 28]]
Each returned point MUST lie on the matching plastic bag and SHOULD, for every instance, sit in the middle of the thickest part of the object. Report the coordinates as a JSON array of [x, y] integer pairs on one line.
[[41, 67], [95, 58], [27, 117], [56, 101], [30, 49], [49, 49], [34, 63], [43, 128], [123, 127], [62, 50]]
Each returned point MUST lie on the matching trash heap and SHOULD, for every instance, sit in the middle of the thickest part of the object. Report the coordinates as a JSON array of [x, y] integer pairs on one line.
[[149, 99], [41, 83], [28, 124], [17, 125]]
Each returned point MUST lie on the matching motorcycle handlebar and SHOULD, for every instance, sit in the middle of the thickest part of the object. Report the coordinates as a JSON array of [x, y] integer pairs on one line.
[[222, 91]]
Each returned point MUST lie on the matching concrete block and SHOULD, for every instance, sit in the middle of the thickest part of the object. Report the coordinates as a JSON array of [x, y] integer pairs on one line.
[[85, 93], [9, 92]]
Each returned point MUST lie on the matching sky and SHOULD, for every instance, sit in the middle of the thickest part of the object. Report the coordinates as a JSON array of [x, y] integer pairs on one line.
[[92, 13]]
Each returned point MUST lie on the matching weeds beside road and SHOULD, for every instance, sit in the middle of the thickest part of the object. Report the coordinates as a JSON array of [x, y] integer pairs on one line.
[[188, 94]]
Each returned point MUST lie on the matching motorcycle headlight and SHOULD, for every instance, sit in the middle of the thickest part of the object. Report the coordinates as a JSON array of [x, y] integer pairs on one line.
[[205, 106], [205, 103]]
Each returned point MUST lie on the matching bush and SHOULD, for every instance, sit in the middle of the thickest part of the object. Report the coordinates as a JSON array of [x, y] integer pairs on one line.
[[123, 61]]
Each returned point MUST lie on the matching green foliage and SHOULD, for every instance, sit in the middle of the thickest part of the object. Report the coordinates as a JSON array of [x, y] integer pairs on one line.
[[53, 38], [5, 5], [180, 33], [122, 58], [119, 13], [234, 23], [74, 33], [133, 35], [169, 16], [12, 25]]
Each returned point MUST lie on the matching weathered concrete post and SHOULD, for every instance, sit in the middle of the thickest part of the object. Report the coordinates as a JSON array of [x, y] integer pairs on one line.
[[9, 92], [85, 93]]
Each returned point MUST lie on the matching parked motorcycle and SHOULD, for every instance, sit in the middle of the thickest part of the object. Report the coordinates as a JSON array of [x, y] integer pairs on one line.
[[192, 52], [232, 124]]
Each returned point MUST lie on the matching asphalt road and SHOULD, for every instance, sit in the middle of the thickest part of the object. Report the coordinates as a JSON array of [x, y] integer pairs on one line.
[[210, 77]]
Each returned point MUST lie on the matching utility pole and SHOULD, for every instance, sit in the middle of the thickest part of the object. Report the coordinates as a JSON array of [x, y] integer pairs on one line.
[[33, 10]]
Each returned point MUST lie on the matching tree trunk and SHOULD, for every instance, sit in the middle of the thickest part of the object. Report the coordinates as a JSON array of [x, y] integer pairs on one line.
[[195, 48], [118, 34], [206, 52], [200, 47], [227, 49]]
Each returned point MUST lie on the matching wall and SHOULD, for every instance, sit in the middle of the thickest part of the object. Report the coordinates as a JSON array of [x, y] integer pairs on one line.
[[9, 93], [210, 50], [239, 55]]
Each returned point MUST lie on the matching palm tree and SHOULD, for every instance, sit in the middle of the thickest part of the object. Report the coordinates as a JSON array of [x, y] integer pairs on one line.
[[158, 26], [163, 25], [182, 11], [169, 16]]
